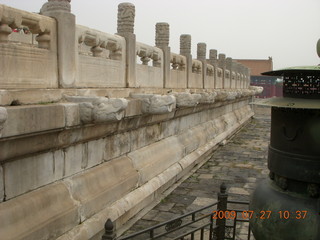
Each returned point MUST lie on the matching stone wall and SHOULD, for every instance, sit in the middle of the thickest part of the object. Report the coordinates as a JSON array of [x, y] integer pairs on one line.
[[104, 125]]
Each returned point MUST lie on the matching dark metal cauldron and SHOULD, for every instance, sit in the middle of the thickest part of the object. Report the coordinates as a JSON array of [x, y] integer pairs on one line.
[[287, 206]]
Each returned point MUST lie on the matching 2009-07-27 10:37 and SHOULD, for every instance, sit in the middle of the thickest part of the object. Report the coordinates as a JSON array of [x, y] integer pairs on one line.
[[263, 214]]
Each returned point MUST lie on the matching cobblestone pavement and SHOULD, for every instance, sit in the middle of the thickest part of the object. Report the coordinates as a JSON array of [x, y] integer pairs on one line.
[[241, 164]]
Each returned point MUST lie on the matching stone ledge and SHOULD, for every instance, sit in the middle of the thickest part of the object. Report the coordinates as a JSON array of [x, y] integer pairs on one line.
[[43, 214], [30, 119]]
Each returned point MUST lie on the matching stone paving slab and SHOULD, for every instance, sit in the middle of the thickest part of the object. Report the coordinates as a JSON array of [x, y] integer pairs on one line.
[[241, 164]]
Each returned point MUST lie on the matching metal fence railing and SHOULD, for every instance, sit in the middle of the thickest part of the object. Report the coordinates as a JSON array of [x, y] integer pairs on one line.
[[218, 221]]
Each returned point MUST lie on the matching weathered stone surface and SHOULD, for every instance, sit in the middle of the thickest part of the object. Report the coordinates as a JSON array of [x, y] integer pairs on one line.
[[1, 185], [30, 173], [31, 119], [72, 113], [3, 118], [145, 136], [152, 160], [102, 185], [95, 152], [75, 160], [117, 146], [43, 214]]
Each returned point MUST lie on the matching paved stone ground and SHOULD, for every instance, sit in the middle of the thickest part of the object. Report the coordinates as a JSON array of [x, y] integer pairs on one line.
[[241, 164]]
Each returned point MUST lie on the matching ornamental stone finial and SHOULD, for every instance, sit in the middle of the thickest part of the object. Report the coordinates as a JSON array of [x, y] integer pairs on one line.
[[126, 15], [56, 5], [201, 51], [162, 34], [222, 60], [213, 53], [229, 63], [3, 118], [185, 44]]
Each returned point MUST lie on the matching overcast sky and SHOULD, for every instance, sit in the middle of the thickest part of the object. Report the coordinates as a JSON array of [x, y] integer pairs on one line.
[[286, 30]]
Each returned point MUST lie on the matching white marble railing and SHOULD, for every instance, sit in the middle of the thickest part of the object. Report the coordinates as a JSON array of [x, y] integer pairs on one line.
[[100, 44], [101, 59], [28, 60], [150, 71], [80, 57]]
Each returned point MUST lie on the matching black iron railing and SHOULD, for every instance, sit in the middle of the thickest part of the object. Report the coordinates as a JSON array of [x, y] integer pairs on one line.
[[216, 221]]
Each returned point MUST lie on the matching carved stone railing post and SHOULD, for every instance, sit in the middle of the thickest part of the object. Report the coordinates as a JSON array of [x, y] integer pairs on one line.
[[229, 64], [201, 55], [162, 42], [126, 15], [185, 50], [222, 65], [66, 38], [247, 80], [213, 60]]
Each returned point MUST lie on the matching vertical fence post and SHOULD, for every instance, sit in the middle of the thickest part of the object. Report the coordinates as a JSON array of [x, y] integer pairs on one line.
[[222, 206], [109, 233], [185, 50], [162, 41], [201, 55], [66, 38], [126, 16]]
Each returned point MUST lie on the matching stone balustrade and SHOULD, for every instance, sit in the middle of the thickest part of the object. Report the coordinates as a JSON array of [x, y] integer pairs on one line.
[[95, 125], [105, 60], [101, 59], [150, 72], [38, 61]]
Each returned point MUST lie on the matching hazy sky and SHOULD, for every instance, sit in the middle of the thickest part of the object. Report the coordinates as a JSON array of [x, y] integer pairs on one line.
[[287, 30]]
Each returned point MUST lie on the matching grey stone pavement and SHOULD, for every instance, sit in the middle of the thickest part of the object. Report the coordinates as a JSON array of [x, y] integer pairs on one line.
[[241, 164]]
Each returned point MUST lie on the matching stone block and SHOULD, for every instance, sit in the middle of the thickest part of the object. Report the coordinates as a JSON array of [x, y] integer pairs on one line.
[[39, 66], [72, 113], [95, 152], [134, 108], [144, 136], [117, 145], [1, 185], [46, 213], [75, 159], [31, 119], [3, 118], [101, 185], [169, 128], [152, 160], [26, 174]]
